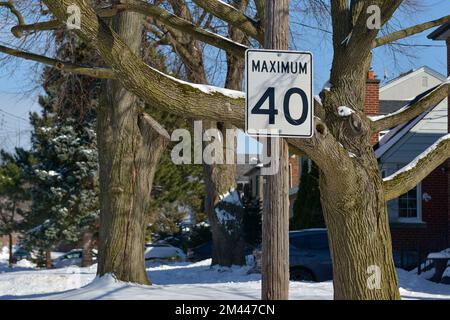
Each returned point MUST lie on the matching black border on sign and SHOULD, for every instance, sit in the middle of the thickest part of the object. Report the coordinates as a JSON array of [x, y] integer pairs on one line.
[[246, 95]]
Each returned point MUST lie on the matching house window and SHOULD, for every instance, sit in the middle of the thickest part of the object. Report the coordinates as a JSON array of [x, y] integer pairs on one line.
[[425, 82], [409, 205]]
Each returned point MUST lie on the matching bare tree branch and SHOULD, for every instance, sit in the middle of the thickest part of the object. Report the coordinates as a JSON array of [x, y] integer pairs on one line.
[[154, 87], [409, 31], [234, 17], [421, 103], [408, 177], [173, 95], [38, 26], [171, 20], [20, 20], [102, 73]]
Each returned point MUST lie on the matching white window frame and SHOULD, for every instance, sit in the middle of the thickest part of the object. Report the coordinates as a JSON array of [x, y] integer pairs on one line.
[[418, 218]]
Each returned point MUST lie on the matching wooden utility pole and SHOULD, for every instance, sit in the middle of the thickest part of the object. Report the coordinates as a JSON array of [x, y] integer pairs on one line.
[[275, 225]]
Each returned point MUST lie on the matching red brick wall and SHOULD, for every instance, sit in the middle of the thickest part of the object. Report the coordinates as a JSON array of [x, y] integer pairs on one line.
[[294, 162], [372, 103], [434, 235]]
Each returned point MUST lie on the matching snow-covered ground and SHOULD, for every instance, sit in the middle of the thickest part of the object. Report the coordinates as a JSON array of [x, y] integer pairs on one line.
[[175, 281]]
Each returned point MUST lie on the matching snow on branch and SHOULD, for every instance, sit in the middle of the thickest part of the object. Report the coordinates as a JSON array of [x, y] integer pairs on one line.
[[411, 110], [409, 176]]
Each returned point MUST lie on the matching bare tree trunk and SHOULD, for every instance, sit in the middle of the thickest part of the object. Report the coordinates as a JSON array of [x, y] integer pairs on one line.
[[48, 259], [86, 259], [358, 226], [129, 152], [275, 225], [10, 248], [227, 237], [225, 216], [360, 239], [228, 240]]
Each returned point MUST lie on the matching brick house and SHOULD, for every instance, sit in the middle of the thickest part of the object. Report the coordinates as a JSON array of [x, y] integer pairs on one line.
[[419, 219]]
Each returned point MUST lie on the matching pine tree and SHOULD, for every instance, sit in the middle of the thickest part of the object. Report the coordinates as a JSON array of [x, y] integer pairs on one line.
[[13, 194], [64, 171], [64, 187], [307, 208]]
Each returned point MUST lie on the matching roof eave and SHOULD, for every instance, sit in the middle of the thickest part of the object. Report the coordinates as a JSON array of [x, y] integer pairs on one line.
[[441, 33]]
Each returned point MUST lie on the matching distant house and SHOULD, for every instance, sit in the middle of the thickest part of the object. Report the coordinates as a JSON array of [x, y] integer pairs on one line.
[[249, 177], [420, 218]]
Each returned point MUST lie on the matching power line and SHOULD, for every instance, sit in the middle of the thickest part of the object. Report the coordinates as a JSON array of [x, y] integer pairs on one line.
[[13, 115]]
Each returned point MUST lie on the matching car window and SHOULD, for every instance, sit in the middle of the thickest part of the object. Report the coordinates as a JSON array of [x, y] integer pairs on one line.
[[73, 255], [318, 241]]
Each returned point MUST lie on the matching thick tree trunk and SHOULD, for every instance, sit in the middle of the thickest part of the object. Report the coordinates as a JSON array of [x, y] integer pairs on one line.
[[225, 211], [88, 241], [360, 238], [275, 224], [227, 238], [10, 248], [352, 194], [129, 152]]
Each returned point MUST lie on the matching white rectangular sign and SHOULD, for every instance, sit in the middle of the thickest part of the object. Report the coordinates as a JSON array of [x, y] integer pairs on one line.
[[279, 95]]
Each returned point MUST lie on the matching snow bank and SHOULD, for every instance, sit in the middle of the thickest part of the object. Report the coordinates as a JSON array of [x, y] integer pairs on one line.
[[440, 255], [24, 263], [4, 253], [182, 280]]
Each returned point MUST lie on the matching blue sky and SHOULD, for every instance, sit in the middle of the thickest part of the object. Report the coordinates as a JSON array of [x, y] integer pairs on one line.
[[15, 105]]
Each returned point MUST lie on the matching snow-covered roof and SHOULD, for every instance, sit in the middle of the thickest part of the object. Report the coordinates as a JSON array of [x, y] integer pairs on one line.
[[397, 133]]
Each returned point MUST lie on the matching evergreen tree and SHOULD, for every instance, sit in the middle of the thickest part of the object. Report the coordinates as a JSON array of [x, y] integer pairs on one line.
[[63, 182], [64, 171], [307, 208], [13, 194]]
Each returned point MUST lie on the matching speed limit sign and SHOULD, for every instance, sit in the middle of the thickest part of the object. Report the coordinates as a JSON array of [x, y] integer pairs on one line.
[[279, 93]]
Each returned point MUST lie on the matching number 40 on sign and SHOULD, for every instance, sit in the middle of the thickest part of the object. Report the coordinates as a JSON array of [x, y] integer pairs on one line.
[[279, 95]]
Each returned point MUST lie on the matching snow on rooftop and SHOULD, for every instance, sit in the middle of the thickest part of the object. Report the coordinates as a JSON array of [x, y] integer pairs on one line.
[[414, 163]]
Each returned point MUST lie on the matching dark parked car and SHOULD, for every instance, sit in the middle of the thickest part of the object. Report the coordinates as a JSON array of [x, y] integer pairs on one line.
[[309, 255]]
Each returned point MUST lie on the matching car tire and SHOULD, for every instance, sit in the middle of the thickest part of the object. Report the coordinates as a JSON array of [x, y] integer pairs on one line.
[[302, 274]]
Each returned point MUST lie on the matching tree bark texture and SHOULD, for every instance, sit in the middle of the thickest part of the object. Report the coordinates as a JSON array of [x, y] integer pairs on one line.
[[352, 194], [228, 240], [129, 151], [275, 224]]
